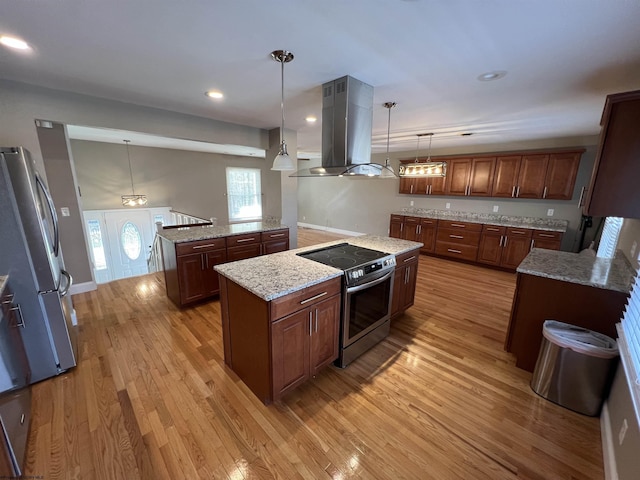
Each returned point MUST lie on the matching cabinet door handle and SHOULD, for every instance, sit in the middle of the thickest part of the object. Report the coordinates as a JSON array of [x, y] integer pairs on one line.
[[582, 191], [533, 242], [401, 226], [20, 322], [429, 188], [517, 191], [453, 251], [544, 192], [406, 275], [242, 240], [206, 260], [456, 236], [505, 241], [201, 262], [313, 298], [411, 188], [310, 321], [513, 191], [9, 299], [501, 240], [316, 329]]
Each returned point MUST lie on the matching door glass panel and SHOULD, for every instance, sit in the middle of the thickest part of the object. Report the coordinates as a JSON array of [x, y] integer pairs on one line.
[[97, 247], [131, 240]]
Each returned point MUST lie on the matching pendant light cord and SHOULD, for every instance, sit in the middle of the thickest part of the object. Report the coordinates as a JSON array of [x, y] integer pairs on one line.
[[130, 171], [388, 132], [417, 149], [282, 62]]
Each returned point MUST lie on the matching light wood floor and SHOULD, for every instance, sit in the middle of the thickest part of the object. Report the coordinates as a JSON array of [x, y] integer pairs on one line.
[[438, 399]]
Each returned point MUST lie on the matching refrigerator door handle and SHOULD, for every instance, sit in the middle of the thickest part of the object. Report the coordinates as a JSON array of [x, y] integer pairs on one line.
[[54, 216], [69, 282]]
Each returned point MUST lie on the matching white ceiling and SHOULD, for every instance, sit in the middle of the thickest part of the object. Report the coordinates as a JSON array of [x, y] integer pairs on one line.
[[562, 57]]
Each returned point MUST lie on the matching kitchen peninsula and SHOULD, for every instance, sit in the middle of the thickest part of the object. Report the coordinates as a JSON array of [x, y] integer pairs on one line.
[[189, 254], [579, 289], [281, 312]]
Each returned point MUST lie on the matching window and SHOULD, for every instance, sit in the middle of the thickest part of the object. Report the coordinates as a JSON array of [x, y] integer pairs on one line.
[[609, 237], [630, 341], [131, 241], [244, 194], [97, 247]]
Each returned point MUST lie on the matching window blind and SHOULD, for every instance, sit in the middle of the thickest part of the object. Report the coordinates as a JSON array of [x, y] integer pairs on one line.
[[609, 237], [630, 342]]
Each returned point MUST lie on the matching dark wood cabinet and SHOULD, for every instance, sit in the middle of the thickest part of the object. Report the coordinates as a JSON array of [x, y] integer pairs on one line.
[[275, 241], [458, 239], [274, 346], [396, 226], [470, 176], [531, 177], [517, 245], [491, 243], [614, 181], [411, 230], [428, 229], [416, 229], [189, 266], [458, 174], [538, 299], [561, 176], [404, 282], [506, 176]]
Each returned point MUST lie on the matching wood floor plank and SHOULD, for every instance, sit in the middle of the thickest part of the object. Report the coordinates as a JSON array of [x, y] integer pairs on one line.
[[438, 398]]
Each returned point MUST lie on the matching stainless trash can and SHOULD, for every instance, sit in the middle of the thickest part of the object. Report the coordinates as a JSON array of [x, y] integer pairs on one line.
[[575, 367]]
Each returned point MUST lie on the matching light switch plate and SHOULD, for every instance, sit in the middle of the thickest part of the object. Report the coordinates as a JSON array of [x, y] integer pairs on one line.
[[65, 211], [550, 212]]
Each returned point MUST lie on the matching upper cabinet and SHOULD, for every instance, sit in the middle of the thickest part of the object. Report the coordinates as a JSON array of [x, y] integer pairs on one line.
[[614, 182], [536, 175]]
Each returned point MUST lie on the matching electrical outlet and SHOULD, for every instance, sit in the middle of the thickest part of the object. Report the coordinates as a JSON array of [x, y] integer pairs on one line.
[[411, 203], [447, 205], [623, 431], [550, 212], [495, 208]]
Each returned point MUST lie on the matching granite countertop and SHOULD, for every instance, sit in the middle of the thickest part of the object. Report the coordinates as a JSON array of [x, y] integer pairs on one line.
[[190, 234], [608, 273], [549, 224], [278, 274]]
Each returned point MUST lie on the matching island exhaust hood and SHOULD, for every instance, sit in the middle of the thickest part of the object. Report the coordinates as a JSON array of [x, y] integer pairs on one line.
[[347, 116]]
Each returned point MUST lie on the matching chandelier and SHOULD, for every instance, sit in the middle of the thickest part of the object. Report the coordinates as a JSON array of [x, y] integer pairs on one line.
[[132, 200]]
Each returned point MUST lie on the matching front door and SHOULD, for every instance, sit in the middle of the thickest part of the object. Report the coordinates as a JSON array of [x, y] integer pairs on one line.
[[130, 238]]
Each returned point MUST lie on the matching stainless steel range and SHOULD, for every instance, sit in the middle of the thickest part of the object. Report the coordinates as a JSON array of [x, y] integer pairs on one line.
[[366, 299]]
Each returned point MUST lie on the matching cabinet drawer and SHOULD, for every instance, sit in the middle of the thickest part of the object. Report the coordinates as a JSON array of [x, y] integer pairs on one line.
[[494, 229], [408, 257], [274, 235], [412, 220], [200, 246], [547, 235], [458, 237], [244, 239], [428, 221], [397, 218], [472, 227], [293, 302], [463, 252], [519, 232]]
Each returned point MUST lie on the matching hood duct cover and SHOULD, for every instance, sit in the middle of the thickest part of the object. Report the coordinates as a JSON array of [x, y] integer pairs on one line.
[[347, 117]]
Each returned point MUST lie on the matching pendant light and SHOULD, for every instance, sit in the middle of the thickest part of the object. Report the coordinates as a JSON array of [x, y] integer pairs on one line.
[[282, 162], [132, 200], [423, 169], [387, 170]]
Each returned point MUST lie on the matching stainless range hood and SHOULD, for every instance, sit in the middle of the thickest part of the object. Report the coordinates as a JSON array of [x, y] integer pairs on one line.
[[347, 115]]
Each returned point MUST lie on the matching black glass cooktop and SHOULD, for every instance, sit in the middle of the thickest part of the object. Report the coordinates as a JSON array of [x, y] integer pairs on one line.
[[343, 255]]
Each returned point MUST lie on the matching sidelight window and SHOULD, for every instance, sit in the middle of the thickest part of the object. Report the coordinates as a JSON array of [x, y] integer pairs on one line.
[[244, 194]]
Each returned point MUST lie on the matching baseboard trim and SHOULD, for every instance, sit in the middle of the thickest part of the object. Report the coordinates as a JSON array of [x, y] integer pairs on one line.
[[608, 455], [329, 229], [82, 287]]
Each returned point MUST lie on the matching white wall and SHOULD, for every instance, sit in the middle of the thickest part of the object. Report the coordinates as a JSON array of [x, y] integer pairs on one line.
[[364, 204]]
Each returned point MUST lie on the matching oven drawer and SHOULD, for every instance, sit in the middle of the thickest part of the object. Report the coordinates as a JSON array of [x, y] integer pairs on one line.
[[463, 252], [283, 306], [458, 237]]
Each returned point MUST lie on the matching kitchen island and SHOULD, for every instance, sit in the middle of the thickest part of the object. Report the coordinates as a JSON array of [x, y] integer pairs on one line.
[[281, 314], [189, 254], [579, 289]]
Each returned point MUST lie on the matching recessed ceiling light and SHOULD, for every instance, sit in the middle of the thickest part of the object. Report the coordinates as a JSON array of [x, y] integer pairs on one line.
[[214, 94], [14, 42], [489, 76], [311, 119]]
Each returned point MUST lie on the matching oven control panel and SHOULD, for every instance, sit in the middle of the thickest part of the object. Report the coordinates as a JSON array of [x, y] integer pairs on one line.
[[356, 274]]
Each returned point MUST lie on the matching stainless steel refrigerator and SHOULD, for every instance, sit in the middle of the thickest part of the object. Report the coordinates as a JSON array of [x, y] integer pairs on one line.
[[30, 255]]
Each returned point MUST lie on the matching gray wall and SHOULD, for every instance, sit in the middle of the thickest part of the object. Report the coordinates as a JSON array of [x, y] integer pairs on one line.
[[364, 204], [21, 104]]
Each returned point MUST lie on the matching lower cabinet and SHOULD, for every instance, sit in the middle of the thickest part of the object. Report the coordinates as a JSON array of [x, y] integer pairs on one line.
[[274, 346], [15, 418], [416, 229], [458, 239], [404, 282], [507, 246], [188, 266], [303, 343]]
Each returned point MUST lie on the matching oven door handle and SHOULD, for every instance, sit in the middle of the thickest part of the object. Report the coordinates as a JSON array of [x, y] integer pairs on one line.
[[370, 284]]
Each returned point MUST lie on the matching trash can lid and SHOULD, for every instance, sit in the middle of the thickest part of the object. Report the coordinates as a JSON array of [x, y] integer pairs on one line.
[[580, 339]]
